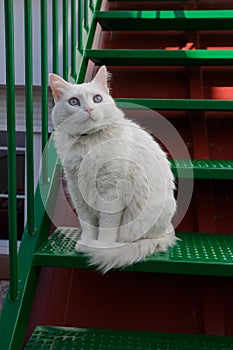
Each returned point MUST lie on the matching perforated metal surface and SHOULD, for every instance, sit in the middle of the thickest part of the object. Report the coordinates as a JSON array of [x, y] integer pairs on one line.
[[203, 247], [210, 254], [203, 169], [61, 338], [62, 241]]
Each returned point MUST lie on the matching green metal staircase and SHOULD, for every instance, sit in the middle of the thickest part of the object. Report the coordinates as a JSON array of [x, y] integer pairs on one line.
[[195, 253]]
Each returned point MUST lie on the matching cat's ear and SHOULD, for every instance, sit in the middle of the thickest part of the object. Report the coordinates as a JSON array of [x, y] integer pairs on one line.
[[101, 78], [58, 86]]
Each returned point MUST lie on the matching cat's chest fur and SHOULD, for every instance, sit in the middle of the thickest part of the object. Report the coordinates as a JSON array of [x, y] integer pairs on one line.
[[92, 166], [71, 150], [83, 156]]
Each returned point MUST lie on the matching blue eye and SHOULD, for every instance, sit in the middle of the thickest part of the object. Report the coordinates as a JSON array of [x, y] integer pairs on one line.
[[73, 101], [97, 98]]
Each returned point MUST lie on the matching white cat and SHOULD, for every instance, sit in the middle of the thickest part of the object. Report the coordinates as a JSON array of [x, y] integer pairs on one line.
[[119, 179]]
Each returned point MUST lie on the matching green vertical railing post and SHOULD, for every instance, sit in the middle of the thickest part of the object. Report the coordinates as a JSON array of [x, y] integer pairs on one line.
[[86, 26], [80, 26], [73, 40], [91, 5], [55, 36], [65, 39], [11, 132], [29, 115], [44, 87]]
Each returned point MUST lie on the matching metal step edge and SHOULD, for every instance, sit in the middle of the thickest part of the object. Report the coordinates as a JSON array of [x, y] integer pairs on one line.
[[124, 57], [166, 20], [194, 254], [176, 104], [66, 338], [202, 169]]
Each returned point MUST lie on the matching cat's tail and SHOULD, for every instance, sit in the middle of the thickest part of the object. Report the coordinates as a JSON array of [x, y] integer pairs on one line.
[[108, 255]]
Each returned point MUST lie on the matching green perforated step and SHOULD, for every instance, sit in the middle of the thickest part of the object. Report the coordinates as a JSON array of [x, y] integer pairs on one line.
[[133, 1], [57, 338], [166, 20], [176, 104], [119, 57], [203, 169], [204, 254]]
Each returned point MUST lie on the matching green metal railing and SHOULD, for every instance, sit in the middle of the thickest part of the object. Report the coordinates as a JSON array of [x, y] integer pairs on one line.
[[80, 29], [10, 96], [29, 115], [65, 39], [76, 18], [44, 84], [55, 36], [73, 39]]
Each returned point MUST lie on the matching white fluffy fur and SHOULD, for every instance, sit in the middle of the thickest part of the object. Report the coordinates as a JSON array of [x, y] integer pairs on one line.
[[119, 179]]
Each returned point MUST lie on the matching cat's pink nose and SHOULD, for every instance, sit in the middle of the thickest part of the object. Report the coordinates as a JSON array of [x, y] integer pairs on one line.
[[88, 109]]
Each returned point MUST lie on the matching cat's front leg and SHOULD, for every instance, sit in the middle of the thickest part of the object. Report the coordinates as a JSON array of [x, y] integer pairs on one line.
[[89, 225], [109, 226], [89, 230]]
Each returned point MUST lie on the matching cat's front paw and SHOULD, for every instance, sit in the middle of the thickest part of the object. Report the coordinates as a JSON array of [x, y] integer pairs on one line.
[[79, 247]]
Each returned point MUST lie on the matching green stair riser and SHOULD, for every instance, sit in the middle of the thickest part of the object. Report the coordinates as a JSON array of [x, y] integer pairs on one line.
[[166, 20]]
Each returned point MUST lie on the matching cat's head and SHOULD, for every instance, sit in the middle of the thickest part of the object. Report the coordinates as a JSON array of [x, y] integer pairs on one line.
[[82, 108]]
